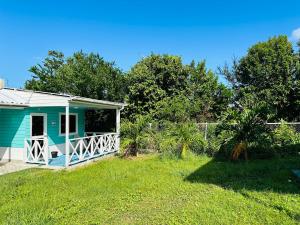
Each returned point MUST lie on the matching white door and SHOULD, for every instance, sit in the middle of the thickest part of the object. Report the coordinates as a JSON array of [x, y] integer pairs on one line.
[[38, 143], [38, 125]]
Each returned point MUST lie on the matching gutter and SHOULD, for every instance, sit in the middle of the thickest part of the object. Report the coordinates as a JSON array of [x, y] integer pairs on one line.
[[103, 102], [13, 105]]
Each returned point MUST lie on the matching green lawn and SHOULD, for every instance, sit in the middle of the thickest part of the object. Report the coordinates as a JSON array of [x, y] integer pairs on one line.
[[150, 190]]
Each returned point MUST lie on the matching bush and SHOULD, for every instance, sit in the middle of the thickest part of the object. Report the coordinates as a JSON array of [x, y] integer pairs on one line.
[[285, 135], [133, 132], [146, 142], [169, 146], [243, 129], [198, 145]]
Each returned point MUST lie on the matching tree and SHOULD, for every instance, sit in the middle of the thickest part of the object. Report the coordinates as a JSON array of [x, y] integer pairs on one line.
[[243, 127], [159, 84], [152, 79], [45, 76], [174, 109], [269, 73], [209, 98], [133, 131], [86, 75]]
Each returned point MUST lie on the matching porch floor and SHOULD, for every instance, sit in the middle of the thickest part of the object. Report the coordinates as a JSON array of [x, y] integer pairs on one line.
[[58, 161], [61, 160]]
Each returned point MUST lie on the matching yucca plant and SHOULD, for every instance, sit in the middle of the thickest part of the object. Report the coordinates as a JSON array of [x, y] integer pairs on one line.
[[184, 134], [132, 131], [244, 127]]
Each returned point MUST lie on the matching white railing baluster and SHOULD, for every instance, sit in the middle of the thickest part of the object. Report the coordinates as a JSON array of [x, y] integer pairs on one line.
[[35, 152], [89, 147], [81, 150]]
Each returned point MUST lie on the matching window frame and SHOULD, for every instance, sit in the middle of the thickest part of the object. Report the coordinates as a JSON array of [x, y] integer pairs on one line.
[[76, 119]]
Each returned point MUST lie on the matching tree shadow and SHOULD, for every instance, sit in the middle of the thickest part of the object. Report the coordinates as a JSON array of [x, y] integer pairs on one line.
[[259, 175]]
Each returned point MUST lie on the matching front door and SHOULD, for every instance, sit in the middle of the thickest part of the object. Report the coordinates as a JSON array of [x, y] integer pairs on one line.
[[38, 124], [38, 134]]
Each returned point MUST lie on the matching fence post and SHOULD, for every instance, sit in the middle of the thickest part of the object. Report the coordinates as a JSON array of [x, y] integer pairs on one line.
[[205, 133]]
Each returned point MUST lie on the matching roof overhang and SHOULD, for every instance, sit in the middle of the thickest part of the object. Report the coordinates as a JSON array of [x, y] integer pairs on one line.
[[96, 104], [12, 106]]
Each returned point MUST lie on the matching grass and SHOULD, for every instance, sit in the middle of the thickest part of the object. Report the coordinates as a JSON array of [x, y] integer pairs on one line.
[[150, 190]]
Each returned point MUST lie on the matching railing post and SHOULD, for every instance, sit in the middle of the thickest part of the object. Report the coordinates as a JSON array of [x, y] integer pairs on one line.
[[92, 144], [101, 144], [35, 151], [46, 149], [118, 119], [67, 138], [81, 149]]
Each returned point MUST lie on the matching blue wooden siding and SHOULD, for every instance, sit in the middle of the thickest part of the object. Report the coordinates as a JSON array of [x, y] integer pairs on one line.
[[12, 128], [15, 125]]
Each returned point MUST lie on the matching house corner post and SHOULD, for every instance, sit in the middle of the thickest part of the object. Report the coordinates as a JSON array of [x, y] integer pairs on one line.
[[118, 120], [67, 145]]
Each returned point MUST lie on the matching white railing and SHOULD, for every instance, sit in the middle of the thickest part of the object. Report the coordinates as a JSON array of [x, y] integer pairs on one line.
[[95, 133], [89, 147], [36, 150]]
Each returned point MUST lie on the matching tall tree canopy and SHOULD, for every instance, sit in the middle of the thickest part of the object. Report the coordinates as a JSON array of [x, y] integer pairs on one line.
[[152, 79], [209, 98], [87, 75], [162, 84], [268, 73]]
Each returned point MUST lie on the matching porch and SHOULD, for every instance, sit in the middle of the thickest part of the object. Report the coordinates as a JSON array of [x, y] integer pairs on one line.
[[34, 125], [65, 134], [93, 145]]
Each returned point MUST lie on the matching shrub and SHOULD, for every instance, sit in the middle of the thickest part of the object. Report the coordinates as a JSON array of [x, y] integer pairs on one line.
[[133, 132], [285, 135], [188, 138], [242, 129], [146, 142], [198, 145], [169, 146]]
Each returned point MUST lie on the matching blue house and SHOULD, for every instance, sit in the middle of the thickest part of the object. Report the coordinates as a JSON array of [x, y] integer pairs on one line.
[[49, 129]]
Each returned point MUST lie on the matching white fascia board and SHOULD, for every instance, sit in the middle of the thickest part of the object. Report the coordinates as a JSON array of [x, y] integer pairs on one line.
[[97, 105]]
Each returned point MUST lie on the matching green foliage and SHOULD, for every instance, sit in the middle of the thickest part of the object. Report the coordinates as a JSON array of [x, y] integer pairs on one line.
[[285, 135], [188, 138], [269, 73], [133, 132], [208, 97], [152, 79], [174, 109], [169, 146], [198, 145], [164, 86], [245, 127], [86, 75]]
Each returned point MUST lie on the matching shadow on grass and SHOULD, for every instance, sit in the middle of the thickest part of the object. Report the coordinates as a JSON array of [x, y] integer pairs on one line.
[[259, 175]]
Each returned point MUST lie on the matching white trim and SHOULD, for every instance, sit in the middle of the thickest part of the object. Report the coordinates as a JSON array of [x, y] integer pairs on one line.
[[67, 136], [45, 123], [74, 114], [118, 121]]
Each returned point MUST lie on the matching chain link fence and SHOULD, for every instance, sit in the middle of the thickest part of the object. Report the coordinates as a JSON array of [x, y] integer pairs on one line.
[[208, 129]]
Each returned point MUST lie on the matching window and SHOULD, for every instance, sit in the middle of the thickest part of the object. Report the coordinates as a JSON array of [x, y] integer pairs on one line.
[[72, 126]]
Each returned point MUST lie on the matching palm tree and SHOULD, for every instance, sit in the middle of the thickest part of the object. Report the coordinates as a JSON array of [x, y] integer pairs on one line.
[[184, 134], [245, 126], [132, 131]]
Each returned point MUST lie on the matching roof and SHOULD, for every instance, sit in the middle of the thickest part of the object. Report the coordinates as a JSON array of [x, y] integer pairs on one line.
[[12, 97], [9, 99]]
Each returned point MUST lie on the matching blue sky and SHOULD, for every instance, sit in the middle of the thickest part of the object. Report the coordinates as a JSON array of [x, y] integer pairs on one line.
[[126, 31]]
